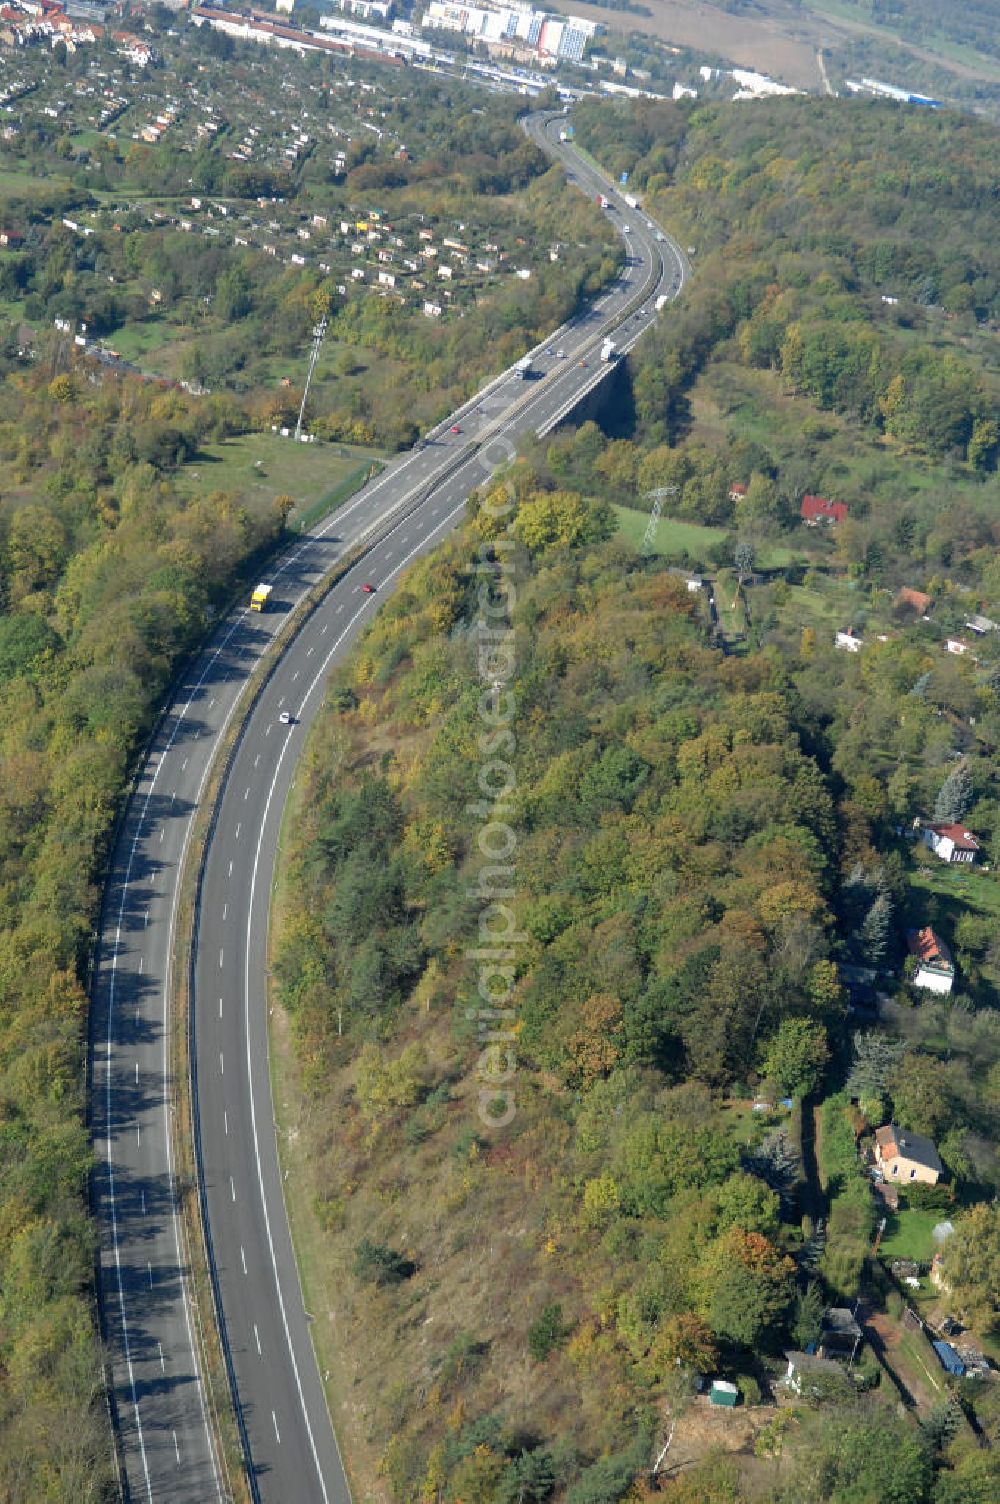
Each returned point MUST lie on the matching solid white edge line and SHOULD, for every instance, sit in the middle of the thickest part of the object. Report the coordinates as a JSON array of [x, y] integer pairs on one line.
[[320, 675], [246, 1024], [364, 496], [156, 759]]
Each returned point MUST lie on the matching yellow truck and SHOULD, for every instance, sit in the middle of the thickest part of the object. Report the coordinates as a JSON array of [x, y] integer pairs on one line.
[[260, 598]]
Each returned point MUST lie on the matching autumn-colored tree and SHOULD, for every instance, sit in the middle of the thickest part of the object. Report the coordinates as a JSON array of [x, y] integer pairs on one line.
[[601, 1199], [746, 1287], [560, 519], [284, 506], [683, 1339], [385, 1086], [796, 1055], [971, 1262], [592, 1048]]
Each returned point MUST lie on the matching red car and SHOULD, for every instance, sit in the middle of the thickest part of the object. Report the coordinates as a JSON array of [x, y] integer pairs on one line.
[[455, 428], [368, 589]]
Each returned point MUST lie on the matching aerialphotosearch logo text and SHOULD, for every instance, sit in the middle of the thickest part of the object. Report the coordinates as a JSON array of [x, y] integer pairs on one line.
[[495, 888]]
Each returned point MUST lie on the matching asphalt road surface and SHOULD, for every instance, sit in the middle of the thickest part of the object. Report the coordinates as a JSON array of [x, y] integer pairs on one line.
[[160, 1404]]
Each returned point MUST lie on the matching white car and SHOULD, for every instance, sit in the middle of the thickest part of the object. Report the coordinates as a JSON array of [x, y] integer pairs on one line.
[[285, 718]]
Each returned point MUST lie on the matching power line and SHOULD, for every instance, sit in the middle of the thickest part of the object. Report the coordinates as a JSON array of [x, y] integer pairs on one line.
[[657, 498], [318, 332]]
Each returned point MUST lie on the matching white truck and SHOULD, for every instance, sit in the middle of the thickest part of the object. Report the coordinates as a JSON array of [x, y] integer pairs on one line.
[[661, 302], [609, 351], [523, 368]]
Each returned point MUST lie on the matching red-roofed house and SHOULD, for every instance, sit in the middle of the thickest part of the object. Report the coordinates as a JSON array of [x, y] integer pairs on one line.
[[816, 509], [952, 843], [935, 968], [737, 491]]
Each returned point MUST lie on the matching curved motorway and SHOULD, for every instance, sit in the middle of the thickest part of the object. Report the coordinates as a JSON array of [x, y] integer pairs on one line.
[[164, 1431]]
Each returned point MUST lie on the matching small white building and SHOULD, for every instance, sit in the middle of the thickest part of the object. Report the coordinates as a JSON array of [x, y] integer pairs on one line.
[[848, 641]]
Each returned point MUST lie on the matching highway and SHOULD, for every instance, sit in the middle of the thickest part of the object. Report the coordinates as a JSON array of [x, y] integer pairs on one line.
[[165, 1435]]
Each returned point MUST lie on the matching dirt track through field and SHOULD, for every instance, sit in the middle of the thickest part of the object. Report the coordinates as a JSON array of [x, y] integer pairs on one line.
[[783, 44], [746, 41]]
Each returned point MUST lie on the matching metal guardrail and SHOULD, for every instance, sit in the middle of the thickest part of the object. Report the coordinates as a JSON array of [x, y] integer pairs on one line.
[[243, 708]]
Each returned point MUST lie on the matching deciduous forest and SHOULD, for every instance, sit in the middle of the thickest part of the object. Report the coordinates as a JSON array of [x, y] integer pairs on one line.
[[719, 811], [116, 554]]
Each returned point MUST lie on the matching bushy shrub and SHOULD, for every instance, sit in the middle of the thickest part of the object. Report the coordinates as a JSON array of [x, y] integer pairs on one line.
[[547, 1333], [378, 1264]]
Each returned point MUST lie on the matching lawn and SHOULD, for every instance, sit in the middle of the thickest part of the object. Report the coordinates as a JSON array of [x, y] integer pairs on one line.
[[691, 541], [137, 342], [673, 539], [732, 615], [23, 182], [917, 1365], [953, 891], [957, 886], [306, 472], [908, 1234]]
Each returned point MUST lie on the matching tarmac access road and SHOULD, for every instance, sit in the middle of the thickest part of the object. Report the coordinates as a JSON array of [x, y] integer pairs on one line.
[[166, 1439]]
